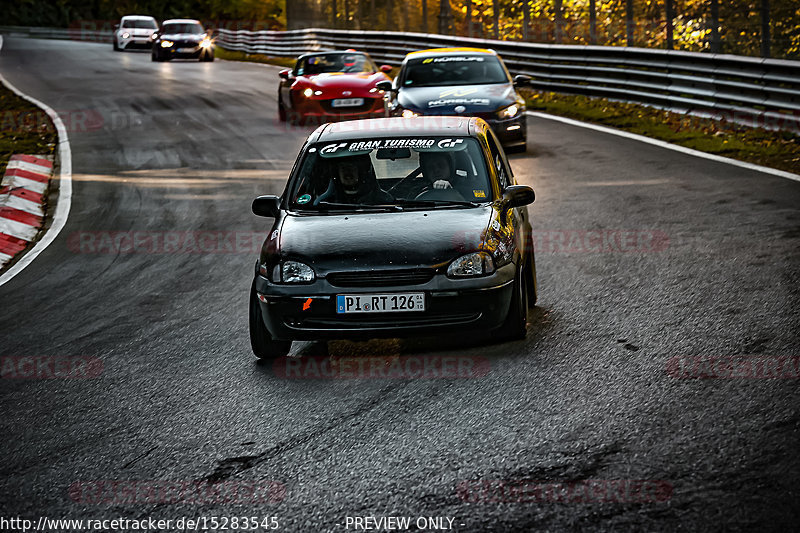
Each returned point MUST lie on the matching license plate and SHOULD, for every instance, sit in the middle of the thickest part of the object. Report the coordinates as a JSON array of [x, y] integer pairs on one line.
[[380, 303], [185, 50], [347, 102]]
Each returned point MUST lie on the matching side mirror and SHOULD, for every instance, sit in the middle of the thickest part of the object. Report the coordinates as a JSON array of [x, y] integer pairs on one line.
[[386, 68], [285, 73], [518, 195], [267, 206], [522, 79], [384, 85]]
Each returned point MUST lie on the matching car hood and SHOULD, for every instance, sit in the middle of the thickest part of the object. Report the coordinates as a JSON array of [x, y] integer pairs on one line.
[[443, 100], [138, 32], [332, 81], [376, 241], [183, 36]]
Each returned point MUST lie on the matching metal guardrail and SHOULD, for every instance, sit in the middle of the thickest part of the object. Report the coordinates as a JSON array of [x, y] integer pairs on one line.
[[753, 91]]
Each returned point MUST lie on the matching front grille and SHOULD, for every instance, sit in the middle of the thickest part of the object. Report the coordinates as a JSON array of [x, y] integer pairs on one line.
[[381, 278], [396, 321], [368, 104]]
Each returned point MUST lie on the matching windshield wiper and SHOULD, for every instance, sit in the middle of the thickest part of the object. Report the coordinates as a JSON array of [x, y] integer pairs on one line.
[[390, 207], [433, 203]]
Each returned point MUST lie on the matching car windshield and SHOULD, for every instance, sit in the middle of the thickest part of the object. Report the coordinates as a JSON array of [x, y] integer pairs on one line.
[[454, 70], [140, 24], [345, 62], [183, 27], [391, 173]]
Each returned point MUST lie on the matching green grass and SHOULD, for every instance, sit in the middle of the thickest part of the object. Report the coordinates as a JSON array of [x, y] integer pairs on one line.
[[775, 149], [24, 129], [233, 55]]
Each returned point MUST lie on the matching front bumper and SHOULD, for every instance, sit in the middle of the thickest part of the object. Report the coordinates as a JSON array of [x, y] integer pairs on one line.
[[511, 131], [309, 109], [136, 43], [478, 304], [184, 51]]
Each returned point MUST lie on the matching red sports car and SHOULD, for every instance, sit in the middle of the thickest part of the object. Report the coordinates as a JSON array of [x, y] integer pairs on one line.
[[329, 86]]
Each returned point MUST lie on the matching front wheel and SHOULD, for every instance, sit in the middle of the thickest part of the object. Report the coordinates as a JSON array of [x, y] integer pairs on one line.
[[208, 57], [262, 343], [281, 109], [116, 45], [515, 326]]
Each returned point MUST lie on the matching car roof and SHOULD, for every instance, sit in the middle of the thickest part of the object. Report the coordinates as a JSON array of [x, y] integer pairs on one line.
[[138, 17], [449, 52], [432, 125], [181, 21]]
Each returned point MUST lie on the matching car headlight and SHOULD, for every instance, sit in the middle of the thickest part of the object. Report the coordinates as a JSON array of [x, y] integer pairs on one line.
[[166, 44], [308, 92], [407, 113], [294, 272], [205, 43], [153, 36], [126, 35], [474, 264], [509, 111]]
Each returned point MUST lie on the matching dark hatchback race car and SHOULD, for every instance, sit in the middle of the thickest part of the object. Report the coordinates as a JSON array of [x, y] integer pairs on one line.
[[332, 86], [182, 39], [394, 227], [461, 81]]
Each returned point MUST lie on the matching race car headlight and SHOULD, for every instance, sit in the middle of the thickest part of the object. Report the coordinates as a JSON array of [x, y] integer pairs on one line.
[[126, 35], [407, 113], [153, 36], [474, 264], [509, 111], [166, 44], [205, 43], [308, 92], [296, 272]]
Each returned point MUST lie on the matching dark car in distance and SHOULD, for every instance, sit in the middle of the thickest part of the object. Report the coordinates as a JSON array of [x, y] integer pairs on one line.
[[394, 227], [182, 39], [461, 81]]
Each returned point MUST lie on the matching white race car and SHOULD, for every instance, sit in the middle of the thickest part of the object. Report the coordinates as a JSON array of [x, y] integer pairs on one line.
[[134, 31]]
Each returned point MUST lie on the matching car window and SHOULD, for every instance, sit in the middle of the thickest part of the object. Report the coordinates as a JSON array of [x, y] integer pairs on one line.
[[182, 28], [396, 171], [454, 70], [140, 24], [499, 162], [322, 63]]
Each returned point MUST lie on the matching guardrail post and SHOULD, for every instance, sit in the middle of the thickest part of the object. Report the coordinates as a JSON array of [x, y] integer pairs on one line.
[[496, 18], [629, 23], [765, 41], [669, 30], [468, 18], [715, 41], [559, 20]]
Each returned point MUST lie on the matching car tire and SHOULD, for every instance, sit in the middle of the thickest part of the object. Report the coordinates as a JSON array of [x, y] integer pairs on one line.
[[116, 45], [262, 343], [515, 325], [531, 282], [155, 57], [281, 109], [207, 57]]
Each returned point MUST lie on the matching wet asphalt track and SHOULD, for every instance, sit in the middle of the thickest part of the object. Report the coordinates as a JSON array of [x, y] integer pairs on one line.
[[185, 146]]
